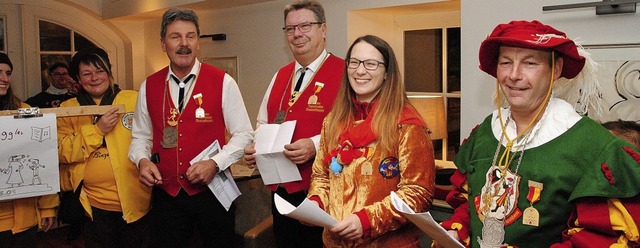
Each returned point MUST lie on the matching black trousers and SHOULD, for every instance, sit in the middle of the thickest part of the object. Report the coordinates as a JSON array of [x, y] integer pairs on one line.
[[290, 232], [25, 239], [177, 219], [108, 229]]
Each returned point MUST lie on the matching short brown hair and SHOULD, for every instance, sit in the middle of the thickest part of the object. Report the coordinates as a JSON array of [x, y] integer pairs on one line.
[[312, 5]]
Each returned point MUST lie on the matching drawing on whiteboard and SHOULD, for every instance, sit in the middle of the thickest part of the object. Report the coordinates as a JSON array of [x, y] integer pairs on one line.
[[29, 157], [40, 134], [16, 181]]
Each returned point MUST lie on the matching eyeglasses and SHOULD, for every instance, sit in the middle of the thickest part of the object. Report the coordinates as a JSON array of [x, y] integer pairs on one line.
[[303, 27], [56, 74], [369, 64], [89, 74]]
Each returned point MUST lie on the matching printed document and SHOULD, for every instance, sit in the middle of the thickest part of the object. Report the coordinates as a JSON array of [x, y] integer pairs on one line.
[[307, 212], [223, 186], [425, 222], [274, 167]]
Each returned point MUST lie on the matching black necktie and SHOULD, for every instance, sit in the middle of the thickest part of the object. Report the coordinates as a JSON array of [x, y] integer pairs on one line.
[[181, 92], [299, 83]]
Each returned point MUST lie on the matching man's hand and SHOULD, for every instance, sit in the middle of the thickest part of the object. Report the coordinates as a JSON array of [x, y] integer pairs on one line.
[[108, 121], [300, 151], [349, 228], [249, 158], [149, 173], [47, 223], [202, 172]]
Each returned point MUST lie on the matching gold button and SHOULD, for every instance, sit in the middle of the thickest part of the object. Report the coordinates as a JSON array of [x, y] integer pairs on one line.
[[180, 164], [179, 149]]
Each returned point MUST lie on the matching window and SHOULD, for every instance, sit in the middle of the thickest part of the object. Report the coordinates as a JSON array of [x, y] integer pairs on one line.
[[57, 44], [430, 54]]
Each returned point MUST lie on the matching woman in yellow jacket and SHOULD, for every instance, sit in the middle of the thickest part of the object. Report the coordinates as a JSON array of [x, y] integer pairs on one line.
[[19, 217], [94, 149]]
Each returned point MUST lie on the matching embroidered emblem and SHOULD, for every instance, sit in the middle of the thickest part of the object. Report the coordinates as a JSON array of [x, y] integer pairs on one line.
[[500, 196], [544, 38], [127, 120], [389, 167], [607, 173]]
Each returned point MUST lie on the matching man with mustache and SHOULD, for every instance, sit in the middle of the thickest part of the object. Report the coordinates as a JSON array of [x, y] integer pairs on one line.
[[303, 90], [181, 110]]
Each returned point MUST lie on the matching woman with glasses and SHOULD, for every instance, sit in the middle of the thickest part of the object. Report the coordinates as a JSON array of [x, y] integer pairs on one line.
[[373, 142], [94, 152]]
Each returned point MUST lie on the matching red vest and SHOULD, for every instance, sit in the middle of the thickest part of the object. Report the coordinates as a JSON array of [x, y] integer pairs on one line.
[[308, 117], [194, 135]]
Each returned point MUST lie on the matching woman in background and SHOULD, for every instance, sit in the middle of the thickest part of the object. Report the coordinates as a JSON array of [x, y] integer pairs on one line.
[[373, 142], [19, 218], [94, 149]]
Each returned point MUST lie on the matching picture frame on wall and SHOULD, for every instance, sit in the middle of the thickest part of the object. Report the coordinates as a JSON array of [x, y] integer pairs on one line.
[[618, 72], [227, 64]]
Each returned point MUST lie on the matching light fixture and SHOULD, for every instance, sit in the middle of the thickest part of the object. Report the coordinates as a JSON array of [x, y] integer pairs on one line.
[[220, 36], [431, 108]]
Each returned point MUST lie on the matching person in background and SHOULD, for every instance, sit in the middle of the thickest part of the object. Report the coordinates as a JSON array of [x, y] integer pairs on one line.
[[181, 110], [94, 150], [626, 130], [61, 88], [536, 173], [373, 142], [304, 91], [20, 218]]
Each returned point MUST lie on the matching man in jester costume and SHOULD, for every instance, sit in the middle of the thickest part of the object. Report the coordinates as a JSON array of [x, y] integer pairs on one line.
[[536, 172]]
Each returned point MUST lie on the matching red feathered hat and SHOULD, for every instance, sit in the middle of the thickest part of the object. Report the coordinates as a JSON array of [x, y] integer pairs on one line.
[[531, 35]]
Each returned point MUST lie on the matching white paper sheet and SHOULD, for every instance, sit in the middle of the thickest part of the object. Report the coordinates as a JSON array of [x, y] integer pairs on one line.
[[307, 212], [426, 223], [29, 157], [223, 186], [270, 140]]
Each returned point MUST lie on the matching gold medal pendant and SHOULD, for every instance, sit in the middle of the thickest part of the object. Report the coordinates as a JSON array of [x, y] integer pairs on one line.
[[531, 217], [169, 137], [172, 119], [199, 113], [280, 117], [313, 99]]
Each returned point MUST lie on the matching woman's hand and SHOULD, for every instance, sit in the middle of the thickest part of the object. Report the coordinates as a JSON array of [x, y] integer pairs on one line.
[[349, 228], [108, 121]]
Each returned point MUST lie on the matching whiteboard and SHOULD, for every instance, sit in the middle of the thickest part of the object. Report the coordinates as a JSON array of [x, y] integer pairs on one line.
[[28, 157]]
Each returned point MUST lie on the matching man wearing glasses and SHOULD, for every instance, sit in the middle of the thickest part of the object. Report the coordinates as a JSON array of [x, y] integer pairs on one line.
[[303, 90], [61, 88]]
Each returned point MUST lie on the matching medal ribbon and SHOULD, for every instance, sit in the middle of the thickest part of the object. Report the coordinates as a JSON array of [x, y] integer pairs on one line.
[[318, 87], [198, 99], [534, 194]]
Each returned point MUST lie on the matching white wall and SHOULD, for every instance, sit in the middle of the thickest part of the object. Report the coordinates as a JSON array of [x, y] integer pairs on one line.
[[480, 17]]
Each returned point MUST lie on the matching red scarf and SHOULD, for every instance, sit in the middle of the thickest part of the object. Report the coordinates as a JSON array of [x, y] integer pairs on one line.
[[360, 135]]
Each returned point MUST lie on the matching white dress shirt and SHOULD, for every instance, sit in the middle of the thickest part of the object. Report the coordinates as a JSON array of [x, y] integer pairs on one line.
[[235, 115]]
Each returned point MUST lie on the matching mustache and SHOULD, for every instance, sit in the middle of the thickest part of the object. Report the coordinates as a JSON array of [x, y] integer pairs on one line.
[[184, 50]]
